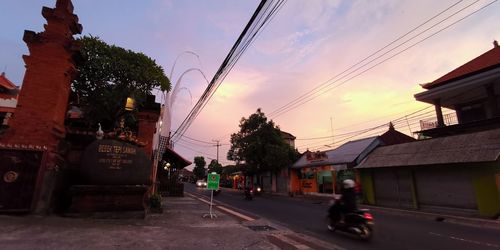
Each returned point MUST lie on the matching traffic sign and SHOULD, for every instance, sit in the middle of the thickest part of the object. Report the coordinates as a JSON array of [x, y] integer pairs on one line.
[[213, 181]]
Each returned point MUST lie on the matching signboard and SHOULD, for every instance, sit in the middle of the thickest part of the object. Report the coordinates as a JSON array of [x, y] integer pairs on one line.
[[316, 156], [309, 186], [113, 162], [213, 181]]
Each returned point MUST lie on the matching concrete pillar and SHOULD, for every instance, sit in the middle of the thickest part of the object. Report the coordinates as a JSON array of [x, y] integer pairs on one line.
[[491, 102], [439, 113]]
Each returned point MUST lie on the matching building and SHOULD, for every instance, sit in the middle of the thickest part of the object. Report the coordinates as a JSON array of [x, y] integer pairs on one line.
[[457, 168], [319, 172], [279, 182], [8, 99], [288, 138], [471, 90]]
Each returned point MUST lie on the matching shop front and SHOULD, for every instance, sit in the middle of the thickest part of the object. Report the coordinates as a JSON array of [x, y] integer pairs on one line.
[[318, 179]]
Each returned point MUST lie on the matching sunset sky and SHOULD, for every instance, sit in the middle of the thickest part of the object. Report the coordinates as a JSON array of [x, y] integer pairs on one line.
[[305, 45]]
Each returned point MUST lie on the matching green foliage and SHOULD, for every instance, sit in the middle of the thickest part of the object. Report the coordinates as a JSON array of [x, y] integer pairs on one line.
[[199, 169], [155, 201], [229, 169], [214, 166], [107, 75], [259, 146]]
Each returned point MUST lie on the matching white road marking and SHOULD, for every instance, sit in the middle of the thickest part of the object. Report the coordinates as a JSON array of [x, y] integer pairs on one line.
[[466, 240], [242, 216]]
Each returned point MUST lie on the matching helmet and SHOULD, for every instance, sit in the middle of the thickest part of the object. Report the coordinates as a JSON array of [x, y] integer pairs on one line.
[[348, 183]]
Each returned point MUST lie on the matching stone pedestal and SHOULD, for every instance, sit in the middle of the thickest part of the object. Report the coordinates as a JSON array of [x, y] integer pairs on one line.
[[114, 179], [108, 201]]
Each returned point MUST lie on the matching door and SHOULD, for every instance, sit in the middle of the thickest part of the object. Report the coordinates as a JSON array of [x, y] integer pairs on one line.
[[393, 188], [18, 173], [445, 187]]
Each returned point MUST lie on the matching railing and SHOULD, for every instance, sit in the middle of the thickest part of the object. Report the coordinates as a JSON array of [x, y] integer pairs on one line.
[[430, 123]]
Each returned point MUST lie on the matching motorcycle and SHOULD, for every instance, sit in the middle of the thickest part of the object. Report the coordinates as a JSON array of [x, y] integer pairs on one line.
[[358, 223], [258, 190], [248, 194]]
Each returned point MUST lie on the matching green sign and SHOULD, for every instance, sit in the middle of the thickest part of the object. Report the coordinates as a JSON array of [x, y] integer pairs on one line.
[[213, 181]]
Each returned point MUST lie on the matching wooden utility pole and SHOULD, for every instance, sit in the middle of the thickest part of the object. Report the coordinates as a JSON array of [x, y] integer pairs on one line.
[[217, 145]]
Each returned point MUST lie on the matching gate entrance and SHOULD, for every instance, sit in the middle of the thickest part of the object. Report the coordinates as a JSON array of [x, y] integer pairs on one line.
[[18, 175]]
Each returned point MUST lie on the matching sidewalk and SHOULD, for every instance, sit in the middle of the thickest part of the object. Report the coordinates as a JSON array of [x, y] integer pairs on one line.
[[180, 226]]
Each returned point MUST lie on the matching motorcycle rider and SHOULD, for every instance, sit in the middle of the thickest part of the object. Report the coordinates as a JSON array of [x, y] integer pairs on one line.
[[346, 204]]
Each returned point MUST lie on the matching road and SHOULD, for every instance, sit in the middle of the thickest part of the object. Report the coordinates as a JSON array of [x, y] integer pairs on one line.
[[392, 230]]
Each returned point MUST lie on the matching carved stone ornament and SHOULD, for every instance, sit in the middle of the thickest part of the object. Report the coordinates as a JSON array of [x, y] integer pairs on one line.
[[10, 176]]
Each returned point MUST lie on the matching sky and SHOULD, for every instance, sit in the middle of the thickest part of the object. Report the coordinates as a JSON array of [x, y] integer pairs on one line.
[[306, 44]]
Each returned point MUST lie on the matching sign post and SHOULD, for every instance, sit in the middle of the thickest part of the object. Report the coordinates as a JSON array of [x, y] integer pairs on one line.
[[213, 180]]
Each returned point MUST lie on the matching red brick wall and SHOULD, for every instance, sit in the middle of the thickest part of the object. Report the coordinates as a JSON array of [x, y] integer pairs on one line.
[[147, 129], [42, 103]]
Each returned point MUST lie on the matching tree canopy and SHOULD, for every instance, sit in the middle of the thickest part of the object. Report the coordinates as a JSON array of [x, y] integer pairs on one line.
[[214, 166], [107, 75], [199, 169], [259, 146]]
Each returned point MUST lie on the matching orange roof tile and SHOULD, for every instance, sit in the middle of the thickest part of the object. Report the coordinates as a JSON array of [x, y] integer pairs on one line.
[[7, 110], [483, 62], [8, 96], [6, 83]]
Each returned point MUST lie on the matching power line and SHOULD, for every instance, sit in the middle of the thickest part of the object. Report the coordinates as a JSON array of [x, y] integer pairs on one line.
[[312, 94], [364, 59], [244, 40]]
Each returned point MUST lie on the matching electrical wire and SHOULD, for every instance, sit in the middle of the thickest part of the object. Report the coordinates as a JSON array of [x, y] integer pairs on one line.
[[263, 14], [321, 88]]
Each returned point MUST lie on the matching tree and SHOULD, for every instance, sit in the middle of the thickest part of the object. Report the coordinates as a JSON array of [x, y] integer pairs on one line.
[[107, 75], [199, 169], [214, 166], [259, 146]]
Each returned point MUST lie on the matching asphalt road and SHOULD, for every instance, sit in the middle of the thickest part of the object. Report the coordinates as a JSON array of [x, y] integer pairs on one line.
[[392, 230]]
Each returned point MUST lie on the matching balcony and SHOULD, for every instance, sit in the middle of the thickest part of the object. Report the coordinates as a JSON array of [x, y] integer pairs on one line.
[[431, 123]]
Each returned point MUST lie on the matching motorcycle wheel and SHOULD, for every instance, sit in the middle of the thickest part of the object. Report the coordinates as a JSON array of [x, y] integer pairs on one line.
[[329, 224], [366, 233]]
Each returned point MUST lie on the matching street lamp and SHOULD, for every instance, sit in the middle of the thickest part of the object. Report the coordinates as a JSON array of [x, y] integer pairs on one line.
[[130, 104], [167, 168]]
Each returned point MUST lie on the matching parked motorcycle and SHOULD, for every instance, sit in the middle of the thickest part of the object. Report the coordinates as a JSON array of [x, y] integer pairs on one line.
[[248, 194], [358, 223]]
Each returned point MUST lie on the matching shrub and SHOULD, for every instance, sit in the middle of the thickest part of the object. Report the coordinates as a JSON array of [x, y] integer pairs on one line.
[[155, 201]]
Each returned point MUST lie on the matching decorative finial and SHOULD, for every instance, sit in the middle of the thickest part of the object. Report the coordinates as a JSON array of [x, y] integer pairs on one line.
[[99, 134]]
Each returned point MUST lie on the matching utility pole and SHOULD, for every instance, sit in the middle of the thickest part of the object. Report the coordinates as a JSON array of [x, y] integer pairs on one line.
[[217, 145], [331, 126]]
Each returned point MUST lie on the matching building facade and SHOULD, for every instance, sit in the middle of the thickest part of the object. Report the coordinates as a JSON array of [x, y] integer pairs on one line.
[[456, 167]]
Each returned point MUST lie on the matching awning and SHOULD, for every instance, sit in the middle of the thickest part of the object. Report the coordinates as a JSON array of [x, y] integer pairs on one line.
[[172, 155]]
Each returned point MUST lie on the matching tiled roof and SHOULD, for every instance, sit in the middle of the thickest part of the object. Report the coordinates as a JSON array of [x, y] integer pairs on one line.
[[287, 135], [6, 83], [488, 60], [8, 96], [347, 153], [481, 146], [7, 110]]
